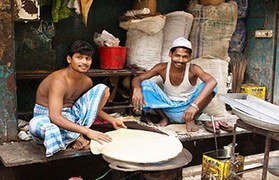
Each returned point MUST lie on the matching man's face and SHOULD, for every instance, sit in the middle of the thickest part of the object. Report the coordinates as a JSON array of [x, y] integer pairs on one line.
[[180, 57], [80, 62]]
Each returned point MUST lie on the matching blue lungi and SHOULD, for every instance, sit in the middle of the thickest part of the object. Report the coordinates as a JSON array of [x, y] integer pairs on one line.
[[155, 98], [83, 112]]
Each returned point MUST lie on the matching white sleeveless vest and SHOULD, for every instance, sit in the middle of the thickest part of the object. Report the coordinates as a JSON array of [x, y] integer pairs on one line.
[[181, 92]]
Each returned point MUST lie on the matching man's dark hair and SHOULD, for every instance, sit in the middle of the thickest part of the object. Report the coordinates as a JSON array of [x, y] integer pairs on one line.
[[173, 49], [81, 47]]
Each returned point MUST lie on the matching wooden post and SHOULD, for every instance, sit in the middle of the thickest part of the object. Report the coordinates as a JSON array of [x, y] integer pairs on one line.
[[8, 120]]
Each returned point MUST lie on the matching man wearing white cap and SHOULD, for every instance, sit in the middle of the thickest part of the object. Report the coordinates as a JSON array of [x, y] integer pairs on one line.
[[181, 99]]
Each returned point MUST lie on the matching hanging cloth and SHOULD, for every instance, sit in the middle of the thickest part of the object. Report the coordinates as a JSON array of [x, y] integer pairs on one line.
[[85, 7]]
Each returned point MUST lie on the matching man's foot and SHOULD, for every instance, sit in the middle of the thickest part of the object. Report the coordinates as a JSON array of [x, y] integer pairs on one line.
[[191, 126], [163, 122], [80, 143]]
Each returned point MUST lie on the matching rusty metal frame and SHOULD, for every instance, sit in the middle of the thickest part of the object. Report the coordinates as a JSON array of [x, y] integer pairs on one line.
[[269, 135]]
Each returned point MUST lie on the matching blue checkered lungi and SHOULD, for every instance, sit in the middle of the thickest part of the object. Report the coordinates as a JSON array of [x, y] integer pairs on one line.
[[155, 98], [83, 112]]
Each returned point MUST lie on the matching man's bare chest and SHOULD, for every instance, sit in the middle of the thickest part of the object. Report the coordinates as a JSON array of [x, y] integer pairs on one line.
[[73, 92]]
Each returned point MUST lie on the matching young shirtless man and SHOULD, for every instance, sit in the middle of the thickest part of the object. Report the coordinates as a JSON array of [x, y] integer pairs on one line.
[[181, 99], [67, 104]]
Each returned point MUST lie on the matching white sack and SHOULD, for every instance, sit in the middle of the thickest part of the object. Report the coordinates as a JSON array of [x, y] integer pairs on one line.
[[143, 50], [149, 25], [219, 70], [177, 24]]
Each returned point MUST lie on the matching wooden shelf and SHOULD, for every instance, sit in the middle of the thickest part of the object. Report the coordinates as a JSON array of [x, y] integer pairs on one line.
[[29, 113], [40, 74]]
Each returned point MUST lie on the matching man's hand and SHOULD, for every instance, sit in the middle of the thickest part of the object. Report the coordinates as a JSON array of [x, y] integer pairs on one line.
[[189, 114], [137, 99], [98, 136], [118, 124]]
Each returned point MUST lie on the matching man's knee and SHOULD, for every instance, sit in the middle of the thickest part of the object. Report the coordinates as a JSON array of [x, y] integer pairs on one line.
[[33, 124], [37, 126], [146, 82]]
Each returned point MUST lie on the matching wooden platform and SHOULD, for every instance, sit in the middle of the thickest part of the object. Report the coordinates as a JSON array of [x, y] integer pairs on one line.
[[179, 130], [23, 153]]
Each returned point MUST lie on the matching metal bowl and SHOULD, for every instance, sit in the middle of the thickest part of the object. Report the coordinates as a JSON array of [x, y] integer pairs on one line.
[[273, 165]]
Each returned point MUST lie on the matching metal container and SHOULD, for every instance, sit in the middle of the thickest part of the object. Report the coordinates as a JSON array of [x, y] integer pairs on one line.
[[254, 111], [273, 165], [217, 164]]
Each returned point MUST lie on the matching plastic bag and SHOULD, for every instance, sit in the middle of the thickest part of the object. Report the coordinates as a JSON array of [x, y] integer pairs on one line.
[[105, 39]]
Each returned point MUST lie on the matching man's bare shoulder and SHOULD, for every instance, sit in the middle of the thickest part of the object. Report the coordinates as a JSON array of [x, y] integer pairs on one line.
[[58, 75], [160, 66], [194, 68]]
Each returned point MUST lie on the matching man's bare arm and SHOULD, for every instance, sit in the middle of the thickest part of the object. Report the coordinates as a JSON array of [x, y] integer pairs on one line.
[[137, 98], [210, 83], [115, 122]]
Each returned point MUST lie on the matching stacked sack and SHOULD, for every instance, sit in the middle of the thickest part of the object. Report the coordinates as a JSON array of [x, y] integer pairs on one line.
[[212, 29], [178, 24], [144, 34], [144, 41], [209, 25]]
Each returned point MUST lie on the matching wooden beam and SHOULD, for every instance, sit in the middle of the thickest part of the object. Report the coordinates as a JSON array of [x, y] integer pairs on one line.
[[40, 74], [8, 122]]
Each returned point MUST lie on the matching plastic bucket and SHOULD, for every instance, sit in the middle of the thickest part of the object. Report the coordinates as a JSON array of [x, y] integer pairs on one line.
[[112, 57]]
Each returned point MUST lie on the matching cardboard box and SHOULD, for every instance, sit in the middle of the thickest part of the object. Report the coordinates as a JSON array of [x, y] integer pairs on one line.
[[219, 169], [255, 90]]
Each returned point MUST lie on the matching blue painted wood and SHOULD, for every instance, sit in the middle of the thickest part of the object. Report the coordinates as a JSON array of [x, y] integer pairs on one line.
[[276, 71], [260, 52]]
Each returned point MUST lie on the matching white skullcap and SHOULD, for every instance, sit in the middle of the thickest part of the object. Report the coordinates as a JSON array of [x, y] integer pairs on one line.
[[182, 42]]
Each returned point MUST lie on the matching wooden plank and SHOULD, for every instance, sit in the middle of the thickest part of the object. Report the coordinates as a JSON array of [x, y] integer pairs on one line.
[[203, 134], [40, 74], [24, 153], [113, 107], [8, 121]]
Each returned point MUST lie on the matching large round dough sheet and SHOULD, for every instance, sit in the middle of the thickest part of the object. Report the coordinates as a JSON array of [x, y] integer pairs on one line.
[[138, 146]]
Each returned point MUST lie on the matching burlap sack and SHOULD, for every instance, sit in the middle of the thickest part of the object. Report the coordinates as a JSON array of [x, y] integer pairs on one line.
[[177, 24], [212, 29]]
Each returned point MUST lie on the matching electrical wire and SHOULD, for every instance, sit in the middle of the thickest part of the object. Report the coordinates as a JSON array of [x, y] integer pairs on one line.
[[101, 177]]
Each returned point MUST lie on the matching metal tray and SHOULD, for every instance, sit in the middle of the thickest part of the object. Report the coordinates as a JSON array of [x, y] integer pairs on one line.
[[254, 111]]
